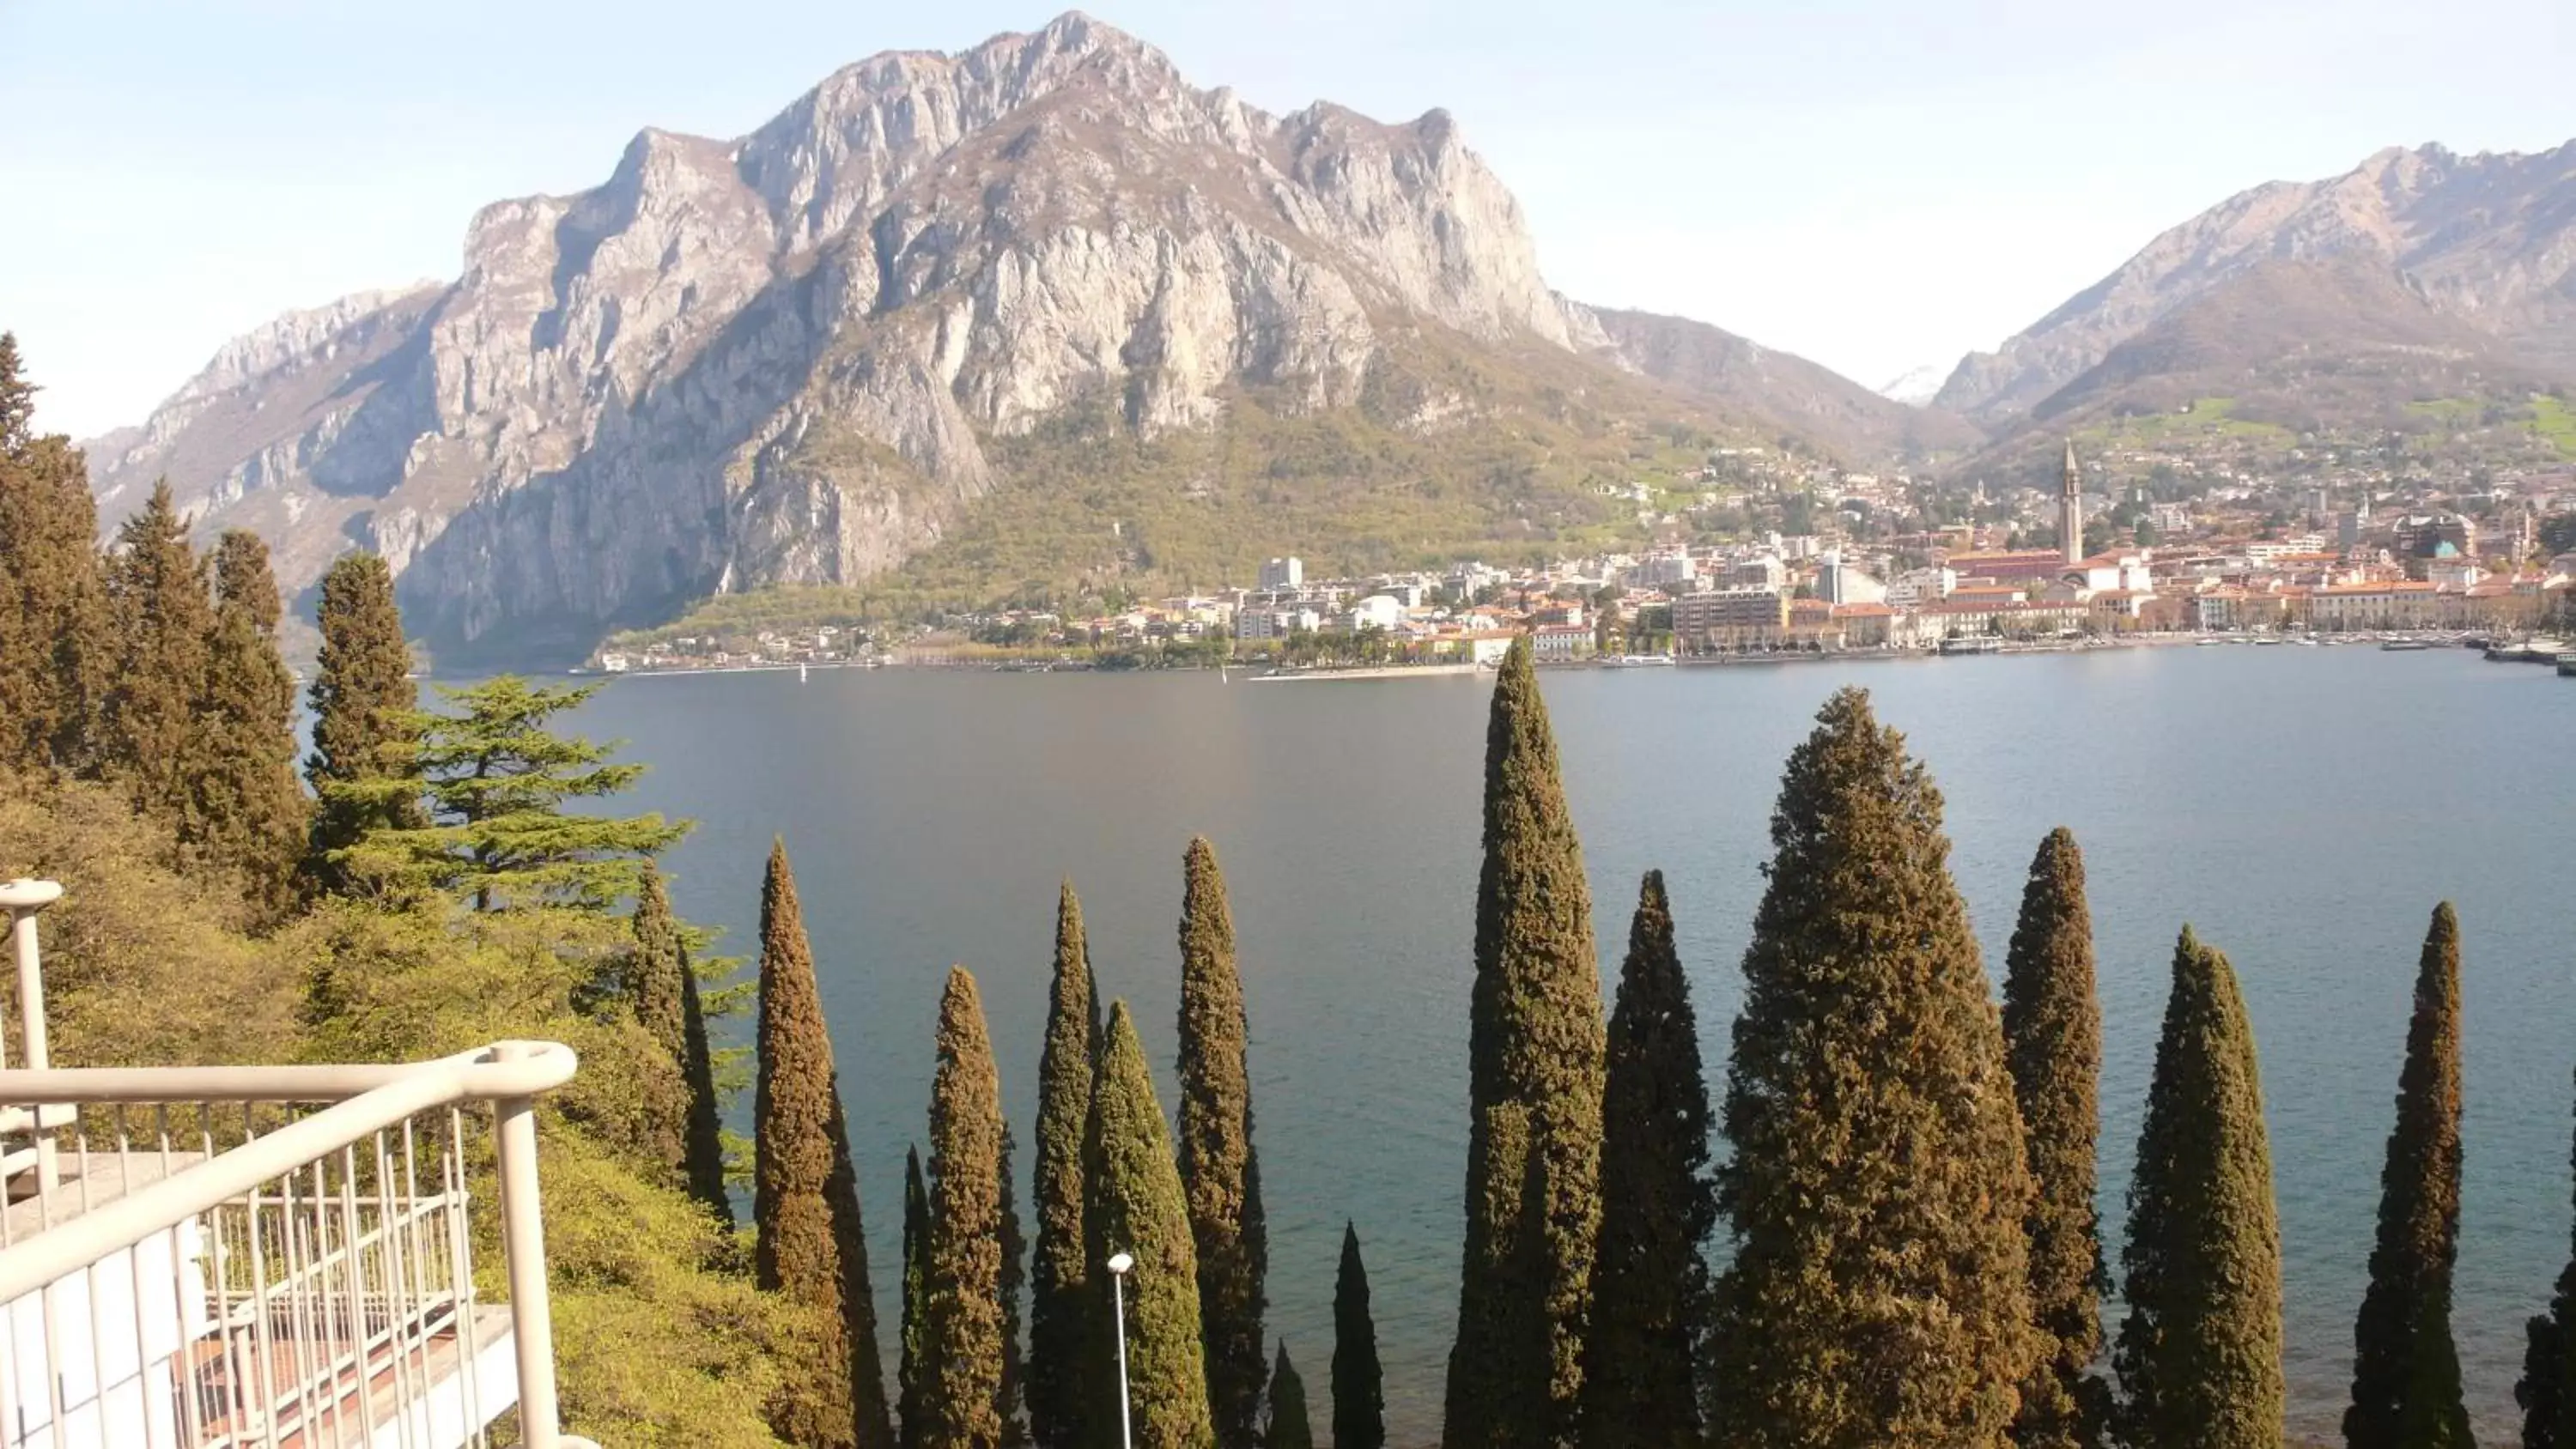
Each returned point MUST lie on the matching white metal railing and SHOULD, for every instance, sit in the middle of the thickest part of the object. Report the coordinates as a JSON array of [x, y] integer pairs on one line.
[[207, 1257]]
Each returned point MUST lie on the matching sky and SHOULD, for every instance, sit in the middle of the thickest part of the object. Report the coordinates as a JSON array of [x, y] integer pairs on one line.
[[1876, 185]]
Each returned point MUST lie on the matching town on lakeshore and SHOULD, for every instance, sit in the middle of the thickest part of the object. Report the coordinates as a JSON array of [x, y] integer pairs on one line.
[[2033, 569]]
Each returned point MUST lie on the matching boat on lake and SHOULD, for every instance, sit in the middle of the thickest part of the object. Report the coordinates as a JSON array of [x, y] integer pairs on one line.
[[1634, 661]]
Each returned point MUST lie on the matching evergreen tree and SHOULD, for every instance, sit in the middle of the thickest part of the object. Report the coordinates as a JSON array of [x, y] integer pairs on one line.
[[1880, 1290], [1287, 1426], [365, 764], [911, 1364], [662, 989], [2199, 1355], [157, 598], [2053, 1043], [1061, 1286], [497, 779], [1641, 1387], [1534, 1097], [248, 803], [1015, 1247], [2547, 1389], [2406, 1368], [1359, 1385], [56, 644], [811, 1244], [1133, 1204], [1219, 1172], [962, 1327]]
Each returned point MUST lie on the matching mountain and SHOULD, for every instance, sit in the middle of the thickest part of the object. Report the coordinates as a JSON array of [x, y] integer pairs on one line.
[[2471, 257], [1034, 316], [1916, 386], [1790, 393]]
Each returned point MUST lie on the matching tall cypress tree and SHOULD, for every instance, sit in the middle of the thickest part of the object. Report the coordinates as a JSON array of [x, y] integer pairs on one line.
[[1062, 1320], [1534, 1097], [1219, 1172], [366, 735], [2546, 1392], [1658, 1204], [2199, 1355], [910, 1364], [56, 645], [2053, 1043], [2406, 1368], [1287, 1426], [249, 806], [811, 1245], [962, 1328], [1359, 1385], [157, 597], [1880, 1291], [1015, 1246], [662, 988], [1133, 1204]]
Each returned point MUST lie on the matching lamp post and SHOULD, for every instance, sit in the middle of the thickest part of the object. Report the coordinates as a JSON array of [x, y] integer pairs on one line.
[[1120, 1264]]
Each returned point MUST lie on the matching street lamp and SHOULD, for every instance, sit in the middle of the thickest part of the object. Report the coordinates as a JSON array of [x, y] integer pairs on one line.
[[1120, 1265]]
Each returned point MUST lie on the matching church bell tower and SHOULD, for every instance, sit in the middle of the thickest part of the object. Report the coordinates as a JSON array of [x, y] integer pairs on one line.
[[2070, 509]]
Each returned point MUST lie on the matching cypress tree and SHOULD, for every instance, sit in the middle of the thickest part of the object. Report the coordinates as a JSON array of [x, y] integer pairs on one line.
[[366, 733], [2199, 1355], [2406, 1368], [158, 600], [1359, 1385], [56, 644], [1219, 1172], [909, 1357], [1061, 1318], [1534, 1097], [2547, 1390], [248, 802], [811, 1245], [1287, 1426], [662, 989], [1133, 1204], [1880, 1292], [962, 1326], [1658, 1205], [2053, 1043], [1015, 1247]]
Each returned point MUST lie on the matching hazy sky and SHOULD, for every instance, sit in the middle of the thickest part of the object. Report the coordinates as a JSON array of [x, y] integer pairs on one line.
[[1875, 184]]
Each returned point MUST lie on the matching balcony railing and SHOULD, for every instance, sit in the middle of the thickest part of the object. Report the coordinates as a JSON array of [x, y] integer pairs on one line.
[[277, 1256]]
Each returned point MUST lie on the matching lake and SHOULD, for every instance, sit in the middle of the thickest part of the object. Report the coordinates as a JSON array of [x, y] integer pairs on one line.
[[2302, 808]]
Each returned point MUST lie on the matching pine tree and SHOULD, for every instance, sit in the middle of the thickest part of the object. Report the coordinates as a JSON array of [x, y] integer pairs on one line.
[[2053, 1043], [56, 644], [365, 765], [1219, 1172], [2546, 1392], [1133, 1204], [2406, 1367], [661, 987], [158, 600], [1061, 1286], [911, 1363], [1534, 1097], [811, 1244], [1880, 1292], [1287, 1426], [1650, 1324], [2199, 1355], [249, 806], [962, 1327], [497, 779], [1359, 1385]]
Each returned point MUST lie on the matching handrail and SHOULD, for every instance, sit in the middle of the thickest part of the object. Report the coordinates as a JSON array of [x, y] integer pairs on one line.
[[66, 1248]]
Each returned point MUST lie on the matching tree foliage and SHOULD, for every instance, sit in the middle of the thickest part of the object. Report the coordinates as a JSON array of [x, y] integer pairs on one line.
[[1061, 1287], [366, 726], [1133, 1204], [2053, 1043], [1359, 1383], [163, 618], [2199, 1354], [1286, 1426], [2546, 1392], [912, 1362], [1220, 1174], [56, 644], [1649, 1328], [250, 808], [1879, 1292], [1534, 1097], [962, 1328]]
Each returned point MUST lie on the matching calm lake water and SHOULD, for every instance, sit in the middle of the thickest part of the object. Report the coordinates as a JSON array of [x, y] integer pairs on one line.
[[2303, 808]]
